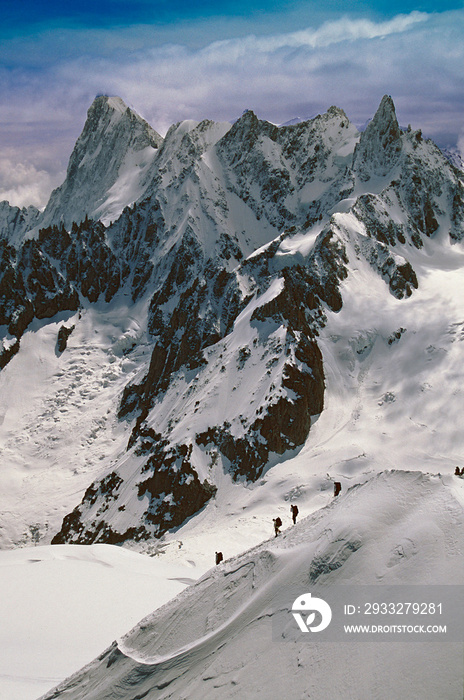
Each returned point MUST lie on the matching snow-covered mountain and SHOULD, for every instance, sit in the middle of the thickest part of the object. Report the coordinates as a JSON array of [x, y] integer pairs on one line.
[[15, 222], [199, 331], [107, 167], [261, 282]]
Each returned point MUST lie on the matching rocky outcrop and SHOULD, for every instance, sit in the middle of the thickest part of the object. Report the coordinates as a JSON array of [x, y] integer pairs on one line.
[[168, 484], [31, 287], [63, 335], [380, 145], [397, 272], [283, 423], [84, 256], [269, 167]]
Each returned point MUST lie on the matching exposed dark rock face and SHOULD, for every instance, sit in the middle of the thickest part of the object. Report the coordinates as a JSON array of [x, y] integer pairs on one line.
[[173, 489], [48, 290], [100, 493], [86, 259], [30, 287], [63, 335], [16, 310]]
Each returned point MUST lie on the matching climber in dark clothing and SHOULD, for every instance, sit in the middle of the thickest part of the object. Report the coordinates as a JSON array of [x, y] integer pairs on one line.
[[219, 557], [337, 488], [294, 511], [277, 525]]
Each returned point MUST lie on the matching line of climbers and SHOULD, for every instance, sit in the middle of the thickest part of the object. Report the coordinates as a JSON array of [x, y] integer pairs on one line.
[[294, 511]]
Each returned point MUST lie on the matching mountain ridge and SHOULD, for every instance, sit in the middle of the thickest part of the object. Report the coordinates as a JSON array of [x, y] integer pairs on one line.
[[242, 246]]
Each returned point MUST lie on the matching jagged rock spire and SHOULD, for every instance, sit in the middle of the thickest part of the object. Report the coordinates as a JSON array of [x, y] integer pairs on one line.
[[111, 132], [380, 144]]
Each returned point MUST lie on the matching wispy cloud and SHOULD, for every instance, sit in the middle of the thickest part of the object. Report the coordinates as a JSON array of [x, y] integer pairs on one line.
[[343, 29], [417, 58]]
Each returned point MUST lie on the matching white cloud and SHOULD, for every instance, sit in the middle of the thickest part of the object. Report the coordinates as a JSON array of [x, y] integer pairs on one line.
[[348, 63], [344, 29], [22, 184]]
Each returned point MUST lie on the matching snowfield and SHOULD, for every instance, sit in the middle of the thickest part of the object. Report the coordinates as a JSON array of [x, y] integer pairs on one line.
[[383, 411], [63, 604], [58, 423]]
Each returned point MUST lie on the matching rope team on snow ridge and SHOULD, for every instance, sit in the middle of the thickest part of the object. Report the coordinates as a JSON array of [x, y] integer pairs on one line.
[[294, 511]]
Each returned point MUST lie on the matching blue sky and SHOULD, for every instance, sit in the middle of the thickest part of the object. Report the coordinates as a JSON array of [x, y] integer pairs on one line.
[[172, 59], [111, 13]]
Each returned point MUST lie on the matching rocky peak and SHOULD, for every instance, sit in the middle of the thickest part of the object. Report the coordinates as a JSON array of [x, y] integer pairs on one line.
[[248, 129], [104, 114], [115, 144], [384, 126], [380, 144], [385, 115], [337, 112]]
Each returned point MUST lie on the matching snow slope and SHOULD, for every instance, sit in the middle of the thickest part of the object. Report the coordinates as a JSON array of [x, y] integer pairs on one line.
[[230, 636], [62, 605], [58, 419], [394, 371]]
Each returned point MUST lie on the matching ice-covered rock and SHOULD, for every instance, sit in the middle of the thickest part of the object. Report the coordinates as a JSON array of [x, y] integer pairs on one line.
[[107, 167], [380, 145], [15, 221]]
